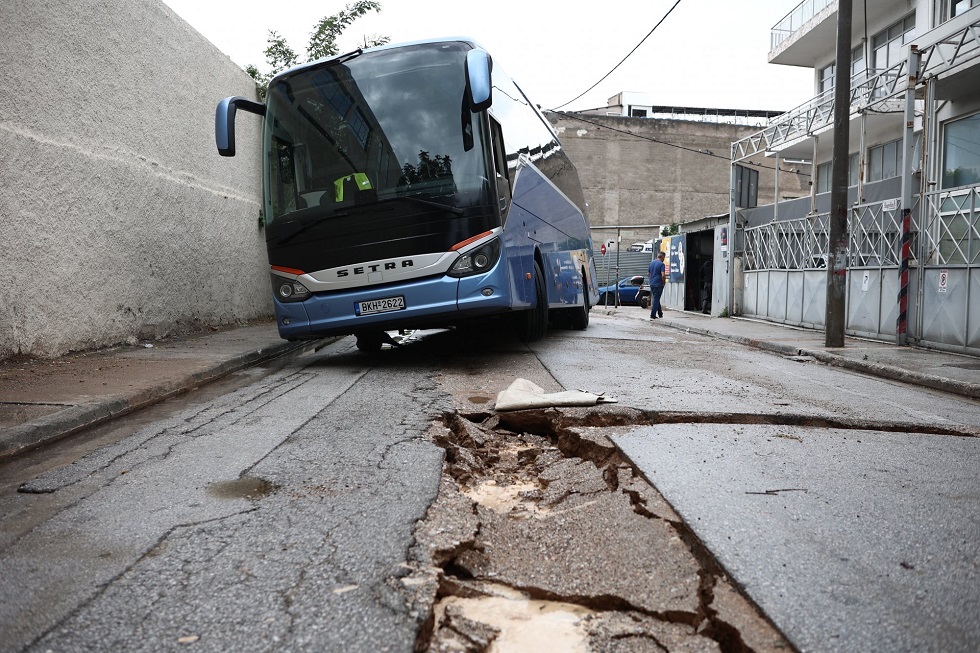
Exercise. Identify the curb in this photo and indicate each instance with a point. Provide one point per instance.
(963, 388)
(23, 437)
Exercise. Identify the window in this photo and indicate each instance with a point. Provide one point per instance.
(884, 160)
(858, 70)
(888, 46)
(961, 6)
(746, 187)
(825, 170)
(638, 113)
(826, 80)
(961, 152)
(953, 8)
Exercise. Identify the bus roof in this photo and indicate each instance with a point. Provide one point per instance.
(388, 46)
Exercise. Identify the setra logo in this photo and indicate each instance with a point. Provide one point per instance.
(375, 267)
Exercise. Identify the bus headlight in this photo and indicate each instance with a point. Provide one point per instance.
(477, 261)
(288, 290)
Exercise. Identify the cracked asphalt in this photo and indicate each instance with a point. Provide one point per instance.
(377, 503)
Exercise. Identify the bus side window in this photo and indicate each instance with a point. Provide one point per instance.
(500, 166)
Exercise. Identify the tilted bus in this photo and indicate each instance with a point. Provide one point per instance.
(415, 186)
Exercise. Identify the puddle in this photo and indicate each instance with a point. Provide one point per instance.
(246, 487)
(504, 498)
(522, 624)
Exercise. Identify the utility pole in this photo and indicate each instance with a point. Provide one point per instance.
(837, 247)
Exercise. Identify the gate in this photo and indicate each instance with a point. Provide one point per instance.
(785, 276)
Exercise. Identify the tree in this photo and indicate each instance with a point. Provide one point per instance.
(669, 230)
(323, 43)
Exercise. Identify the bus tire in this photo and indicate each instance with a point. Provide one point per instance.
(532, 324)
(580, 315)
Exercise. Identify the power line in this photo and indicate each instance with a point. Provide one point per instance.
(621, 62)
(578, 116)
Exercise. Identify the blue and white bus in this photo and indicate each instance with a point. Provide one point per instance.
(415, 186)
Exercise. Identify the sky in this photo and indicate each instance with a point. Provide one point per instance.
(706, 53)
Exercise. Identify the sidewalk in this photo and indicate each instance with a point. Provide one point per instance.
(953, 373)
(42, 400)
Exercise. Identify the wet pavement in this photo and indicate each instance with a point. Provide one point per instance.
(44, 400)
(555, 495)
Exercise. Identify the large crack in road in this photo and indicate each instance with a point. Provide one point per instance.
(543, 537)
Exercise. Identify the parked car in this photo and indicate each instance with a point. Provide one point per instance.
(628, 289)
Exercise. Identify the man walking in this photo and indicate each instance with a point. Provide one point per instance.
(658, 277)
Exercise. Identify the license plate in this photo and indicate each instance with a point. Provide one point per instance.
(379, 305)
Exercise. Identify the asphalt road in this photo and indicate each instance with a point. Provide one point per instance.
(180, 534)
(863, 538)
(281, 514)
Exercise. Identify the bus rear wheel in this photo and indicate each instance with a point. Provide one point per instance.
(580, 316)
(532, 324)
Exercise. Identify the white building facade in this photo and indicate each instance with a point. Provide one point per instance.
(913, 177)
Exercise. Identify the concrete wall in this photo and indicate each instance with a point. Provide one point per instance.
(639, 171)
(119, 219)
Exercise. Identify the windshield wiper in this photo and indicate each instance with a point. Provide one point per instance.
(347, 57)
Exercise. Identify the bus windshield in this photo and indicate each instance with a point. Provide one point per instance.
(389, 128)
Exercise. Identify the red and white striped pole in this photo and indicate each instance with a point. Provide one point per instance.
(903, 291)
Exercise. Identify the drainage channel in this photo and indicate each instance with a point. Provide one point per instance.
(544, 538)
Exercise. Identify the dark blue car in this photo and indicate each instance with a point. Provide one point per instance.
(628, 288)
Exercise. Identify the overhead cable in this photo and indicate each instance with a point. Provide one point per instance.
(621, 62)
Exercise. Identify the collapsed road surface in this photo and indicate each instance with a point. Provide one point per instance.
(368, 503)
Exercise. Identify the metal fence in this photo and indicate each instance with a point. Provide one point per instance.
(784, 265)
(951, 231)
(629, 264)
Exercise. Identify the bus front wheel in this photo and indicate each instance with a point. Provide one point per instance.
(532, 324)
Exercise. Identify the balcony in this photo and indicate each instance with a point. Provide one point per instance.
(808, 33)
(950, 59)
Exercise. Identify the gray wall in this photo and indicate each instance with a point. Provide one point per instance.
(638, 171)
(119, 219)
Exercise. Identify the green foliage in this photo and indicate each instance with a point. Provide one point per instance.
(670, 230)
(323, 43)
(323, 40)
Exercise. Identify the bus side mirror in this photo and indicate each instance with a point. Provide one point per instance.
(478, 80)
(224, 122)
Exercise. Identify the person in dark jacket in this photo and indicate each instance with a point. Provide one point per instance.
(658, 278)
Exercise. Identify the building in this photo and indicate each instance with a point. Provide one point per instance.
(913, 143)
(640, 174)
(645, 166)
(641, 105)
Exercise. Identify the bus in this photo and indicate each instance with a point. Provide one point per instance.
(415, 186)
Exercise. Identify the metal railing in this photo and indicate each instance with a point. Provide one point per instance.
(952, 44)
(795, 19)
(951, 227)
(948, 228)
(874, 240)
(799, 244)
